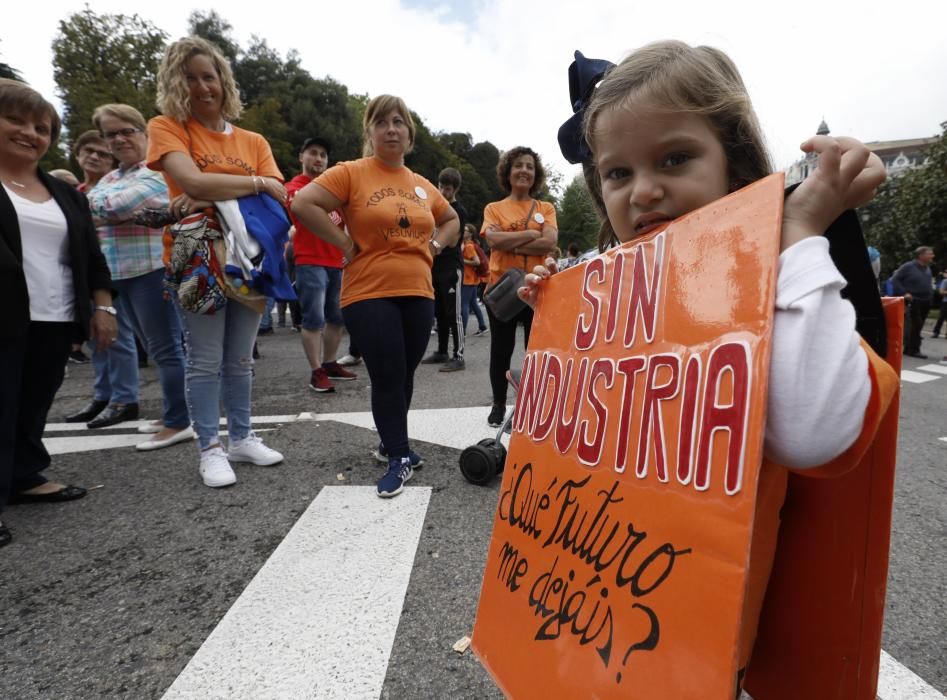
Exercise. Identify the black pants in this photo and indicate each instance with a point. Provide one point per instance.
(31, 371)
(917, 313)
(502, 343)
(446, 280)
(941, 317)
(392, 334)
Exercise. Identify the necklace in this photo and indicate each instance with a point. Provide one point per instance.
(18, 184)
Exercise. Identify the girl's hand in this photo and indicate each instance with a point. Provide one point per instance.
(530, 293)
(847, 176)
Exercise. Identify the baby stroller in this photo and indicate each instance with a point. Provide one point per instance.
(481, 462)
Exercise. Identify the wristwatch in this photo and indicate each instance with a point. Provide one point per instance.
(108, 309)
(437, 246)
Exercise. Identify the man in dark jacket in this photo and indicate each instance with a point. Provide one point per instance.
(913, 281)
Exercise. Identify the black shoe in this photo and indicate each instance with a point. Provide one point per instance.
(265, 331)
(435, 358)
(497, 414)
(112, 414)
(66, 493)
(256, 352)
(919, 355)
(78, 357)
(90, 411)
(454, 365)
(5, 536)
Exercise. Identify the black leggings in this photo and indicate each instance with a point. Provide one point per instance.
(502, 343)
(392, 334)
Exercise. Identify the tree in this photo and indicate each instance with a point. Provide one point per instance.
(578, 222)
(910, 210)
(99, 59)
(216, 30)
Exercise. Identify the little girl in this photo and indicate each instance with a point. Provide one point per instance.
(671, 129)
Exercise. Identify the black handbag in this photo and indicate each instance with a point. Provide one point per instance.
(501, 297)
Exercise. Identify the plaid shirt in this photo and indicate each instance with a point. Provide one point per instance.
(130, 250)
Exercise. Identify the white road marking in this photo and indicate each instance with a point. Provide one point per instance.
(134, 424)
(943, 439)
(908, 375)
(319, 619)
(936, 369)
(897, 682)
(450, 427)
(91, 443)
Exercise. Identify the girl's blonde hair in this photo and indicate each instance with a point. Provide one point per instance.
(174, 98)
(678, 77)
(378, 108)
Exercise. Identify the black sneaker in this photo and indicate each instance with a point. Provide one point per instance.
(482, 331)
(453, 365)
(497, 414)
(78, 357)
(435, 358)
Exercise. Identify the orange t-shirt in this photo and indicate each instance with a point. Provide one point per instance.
(470, 271)
(390, 213)
(771, 494)
(240, 152)
(510, 215)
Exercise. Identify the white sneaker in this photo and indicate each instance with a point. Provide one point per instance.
(251, 449)
(349, 360)
(215, 468)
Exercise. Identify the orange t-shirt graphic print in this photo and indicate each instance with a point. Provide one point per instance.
(390, 213)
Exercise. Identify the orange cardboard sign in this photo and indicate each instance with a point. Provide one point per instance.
(618, 561)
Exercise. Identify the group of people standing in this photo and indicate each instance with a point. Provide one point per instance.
(88, 261)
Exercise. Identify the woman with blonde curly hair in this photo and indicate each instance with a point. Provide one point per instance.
(206, 159)
(521, 231)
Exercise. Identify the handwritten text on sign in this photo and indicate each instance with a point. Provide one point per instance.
(617, 566)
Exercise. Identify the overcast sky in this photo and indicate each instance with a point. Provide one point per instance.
(497, 68)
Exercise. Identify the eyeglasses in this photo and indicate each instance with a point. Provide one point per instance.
(126, 133)
(105, 155)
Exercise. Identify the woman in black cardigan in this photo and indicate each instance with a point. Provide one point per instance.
(51, 270)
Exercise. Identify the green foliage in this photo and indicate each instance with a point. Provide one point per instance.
(8, 71)
(909, 211)
(115, 58)
(99, 59)
(578, 222)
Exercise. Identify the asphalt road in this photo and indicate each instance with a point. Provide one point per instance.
(112, 595)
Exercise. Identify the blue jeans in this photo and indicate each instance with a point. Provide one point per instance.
(220, 355)
(318, 288)
(116, 369)
(267, 320)
(143, 308)
(468, 300)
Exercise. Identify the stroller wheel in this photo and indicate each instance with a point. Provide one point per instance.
(478, 463)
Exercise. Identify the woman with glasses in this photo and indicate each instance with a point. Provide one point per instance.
(134, 255)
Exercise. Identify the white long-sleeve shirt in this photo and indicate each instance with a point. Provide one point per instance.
(819, 384)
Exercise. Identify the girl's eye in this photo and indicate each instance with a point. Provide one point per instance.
(675, 159)
(617, 174)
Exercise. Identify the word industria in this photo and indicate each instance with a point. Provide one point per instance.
(569, 400)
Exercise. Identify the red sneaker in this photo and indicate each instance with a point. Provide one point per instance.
(337, 371)
(320, 381)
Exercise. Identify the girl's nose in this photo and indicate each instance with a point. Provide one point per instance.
(645, 189)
